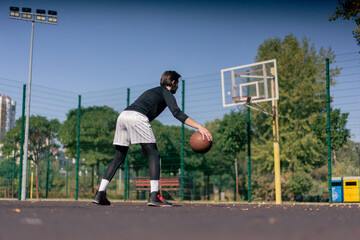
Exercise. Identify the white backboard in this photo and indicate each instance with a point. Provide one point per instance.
(258, 81)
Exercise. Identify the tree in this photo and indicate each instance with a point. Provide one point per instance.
(349, 10)
(168, 140)
(348, 163)
(97, 127)
(41, 132)
(231, 132)
(299, 183)
(302, 96)
(6, 174)
(339, 133)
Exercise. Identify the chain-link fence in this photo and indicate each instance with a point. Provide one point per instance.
(52, 173)
(346, 98)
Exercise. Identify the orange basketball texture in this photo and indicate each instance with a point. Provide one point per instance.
(199, 145)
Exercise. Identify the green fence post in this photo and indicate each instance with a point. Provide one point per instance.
(84, 187)
(328, 128)
(78, 151)
(248, 121)
(182, 145)
(13, 176)
(22, 141)
(126, 158)
(8, 179)
(47, 172)
(67, 181)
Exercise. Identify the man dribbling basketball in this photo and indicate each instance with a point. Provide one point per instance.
(133, 127)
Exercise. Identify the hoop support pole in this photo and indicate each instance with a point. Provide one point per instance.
(278, 199)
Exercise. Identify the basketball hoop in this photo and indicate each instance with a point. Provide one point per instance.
(251, 85)
(257, 80)
(258, 107)
(248, 99)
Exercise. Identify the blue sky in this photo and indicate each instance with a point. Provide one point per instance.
(100, 48)
(107, 44)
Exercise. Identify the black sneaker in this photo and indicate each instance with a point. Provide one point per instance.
(156, 200)
(100, 198)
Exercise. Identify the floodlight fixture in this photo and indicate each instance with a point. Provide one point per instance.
(53, 16)
(40, 15)
(26, 13)
(14, 12)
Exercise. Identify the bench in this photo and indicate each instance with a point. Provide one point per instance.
(166, 183)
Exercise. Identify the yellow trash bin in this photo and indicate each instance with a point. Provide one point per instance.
(351, 189)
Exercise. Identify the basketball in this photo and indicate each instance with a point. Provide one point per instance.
(199, 145)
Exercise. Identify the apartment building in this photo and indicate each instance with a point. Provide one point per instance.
(7, 114)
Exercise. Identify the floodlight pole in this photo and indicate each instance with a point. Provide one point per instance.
(24, 171)
(40, 17)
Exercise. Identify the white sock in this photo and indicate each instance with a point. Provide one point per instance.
(103, 185)
(154, 185)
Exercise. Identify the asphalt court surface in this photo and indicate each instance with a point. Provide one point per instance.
(201, 221)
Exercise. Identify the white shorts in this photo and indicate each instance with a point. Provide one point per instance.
(131, 128)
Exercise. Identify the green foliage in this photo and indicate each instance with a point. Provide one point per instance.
(231, 133)
(11, 141)
(339, 133)
(349, 10)
(301, 74)
(40, 131)
(348, 160)
(56, 181)
(300, 183)
(97, 127)
(6, 171)
(168, 140)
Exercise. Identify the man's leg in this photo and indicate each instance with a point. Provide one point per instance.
(155, 199)
(154, 164)
(120, 154)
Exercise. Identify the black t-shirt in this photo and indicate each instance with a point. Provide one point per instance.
(153, 101)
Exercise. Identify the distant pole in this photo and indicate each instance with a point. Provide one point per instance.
(182, 165)
(328, 128)
(31, 184)
(236, 181)
(22, 141)
(248, 121)
(78, 151)
(13, 176)
(23, 186)
(116, 187)
(67, 179)
(120, 171)
(47, 170)
(126, 158)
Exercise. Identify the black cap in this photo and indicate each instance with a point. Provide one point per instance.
(40, 11)
(50, 12)
(14, 9)
(27, 10)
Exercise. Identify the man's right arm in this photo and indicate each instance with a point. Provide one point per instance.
(204, 132)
